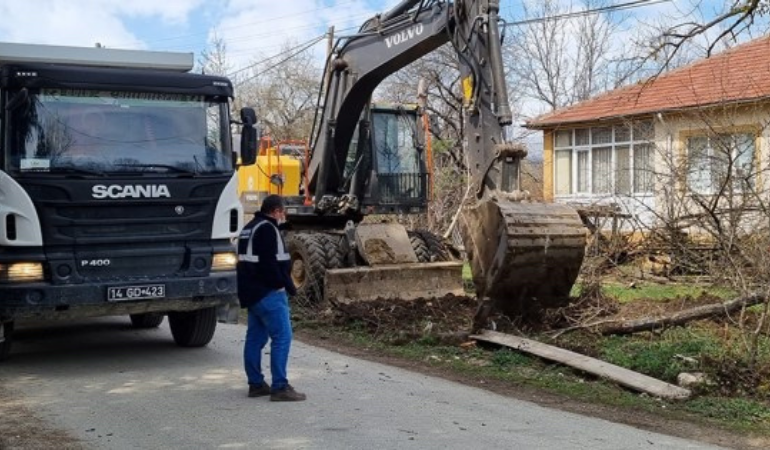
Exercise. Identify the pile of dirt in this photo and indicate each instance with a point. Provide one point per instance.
(454, 314)
(396, 320)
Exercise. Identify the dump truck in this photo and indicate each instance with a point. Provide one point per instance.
(119, 194)
(366, 163)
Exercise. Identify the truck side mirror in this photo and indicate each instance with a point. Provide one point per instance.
(248, 137)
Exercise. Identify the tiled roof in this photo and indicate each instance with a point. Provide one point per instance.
(739, 74)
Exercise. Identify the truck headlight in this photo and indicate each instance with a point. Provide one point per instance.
(224, 261)
(21, 272)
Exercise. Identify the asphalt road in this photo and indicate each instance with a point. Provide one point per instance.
(117, 388)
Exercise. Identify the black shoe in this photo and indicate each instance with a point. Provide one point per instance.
(287, 394)
(259, 390)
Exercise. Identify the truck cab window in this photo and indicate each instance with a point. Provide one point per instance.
(115, 132)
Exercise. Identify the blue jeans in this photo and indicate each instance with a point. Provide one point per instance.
(268, 318)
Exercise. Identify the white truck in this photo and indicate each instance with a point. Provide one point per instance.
(118, 190)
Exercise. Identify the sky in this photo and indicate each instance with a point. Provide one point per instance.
(251, 29)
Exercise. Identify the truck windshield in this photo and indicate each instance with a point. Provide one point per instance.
(61, 130)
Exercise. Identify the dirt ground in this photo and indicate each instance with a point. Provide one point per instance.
(397, 322)
(20, 429)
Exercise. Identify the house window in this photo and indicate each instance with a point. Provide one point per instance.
(563, 165)
(643, 169)
(606, 160)
(623, 170)
(600, 170)
(582, 171)
(720, 161)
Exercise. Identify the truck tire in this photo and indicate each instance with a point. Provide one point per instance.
(193, 328)
(146, 320)
(5, 346)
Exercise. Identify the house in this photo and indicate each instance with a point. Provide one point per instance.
(669, 144)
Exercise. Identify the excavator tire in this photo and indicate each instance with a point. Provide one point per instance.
(335, 251)
(419, 246)
(437, 248)
(308, 265)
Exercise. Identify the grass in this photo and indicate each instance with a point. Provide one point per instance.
(662, 358)
(657, 291)
(654, 358)
(661, 355)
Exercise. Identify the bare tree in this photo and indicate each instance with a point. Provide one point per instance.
(213, 61)
(735, 18)
(560, 61)
(712, 213)
(284, 93)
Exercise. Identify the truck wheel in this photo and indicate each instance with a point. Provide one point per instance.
(193, 328)
(146, 320)
(5, 346)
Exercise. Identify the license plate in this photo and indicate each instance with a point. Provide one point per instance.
(123, 293)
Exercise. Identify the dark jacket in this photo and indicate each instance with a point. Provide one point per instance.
(267, 267)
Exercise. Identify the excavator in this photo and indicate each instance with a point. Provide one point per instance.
(367, 163)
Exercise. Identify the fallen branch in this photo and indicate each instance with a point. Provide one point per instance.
(606, 327)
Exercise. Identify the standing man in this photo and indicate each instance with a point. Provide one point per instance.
(264, 280)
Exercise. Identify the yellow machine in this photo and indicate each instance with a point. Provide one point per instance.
(278, 170)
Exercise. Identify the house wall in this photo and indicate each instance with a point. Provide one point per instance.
(670, 197)
(672, 132)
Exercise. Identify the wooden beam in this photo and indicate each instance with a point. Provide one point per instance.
(620, 375)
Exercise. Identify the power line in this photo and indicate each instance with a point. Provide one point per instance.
(240, 39)
(587, 12)
(273, 66)
(250, 24)
(306, 45)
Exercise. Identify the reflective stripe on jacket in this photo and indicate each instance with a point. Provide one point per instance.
(264, 265)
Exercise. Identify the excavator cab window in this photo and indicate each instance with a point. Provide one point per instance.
(399, 160)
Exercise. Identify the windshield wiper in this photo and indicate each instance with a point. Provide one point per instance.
(75, 171)
(168, 167)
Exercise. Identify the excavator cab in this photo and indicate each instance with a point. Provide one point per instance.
(392, 161)
(340, 257)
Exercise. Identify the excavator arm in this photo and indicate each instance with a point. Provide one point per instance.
(389, 42)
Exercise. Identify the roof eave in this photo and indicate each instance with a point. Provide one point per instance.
(553, 124)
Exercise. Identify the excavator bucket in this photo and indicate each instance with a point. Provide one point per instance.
(524, 256)
(393, 270)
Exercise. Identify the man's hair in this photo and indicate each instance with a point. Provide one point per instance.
(271, 203)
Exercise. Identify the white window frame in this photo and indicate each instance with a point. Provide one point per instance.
(711, 189)
(631, 143)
